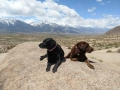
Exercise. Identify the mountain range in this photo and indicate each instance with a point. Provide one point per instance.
(14, 26)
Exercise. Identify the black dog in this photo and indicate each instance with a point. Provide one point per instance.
(55, 54)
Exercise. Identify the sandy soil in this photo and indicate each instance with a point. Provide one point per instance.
(111, 58)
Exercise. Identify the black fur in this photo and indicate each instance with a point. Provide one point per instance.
(56, 56)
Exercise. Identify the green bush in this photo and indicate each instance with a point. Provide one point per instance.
(116, 46)
(109, 51)
(99, 48)
(69, 47)
(118, 50)
(100, 60)
(106, 47)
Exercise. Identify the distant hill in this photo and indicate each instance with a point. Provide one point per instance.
(115, 30)
(15, 26)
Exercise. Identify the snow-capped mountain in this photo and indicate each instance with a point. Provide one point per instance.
(43, 23)
(7, 21)
(93, 30)
(12, 25)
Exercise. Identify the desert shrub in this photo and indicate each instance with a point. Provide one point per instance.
(118, 50)
(116, 46)
(10, 47)
(100, 60)
(93, 57)
(100, 44)
(106, 47)
(93, 45)
(97, 59)
(99, 48)
(1, 51)
(109, 51)
(69, 47)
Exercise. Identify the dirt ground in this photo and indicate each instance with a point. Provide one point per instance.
(110, 58)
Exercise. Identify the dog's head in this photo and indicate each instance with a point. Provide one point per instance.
(47, 43)
(84, 47)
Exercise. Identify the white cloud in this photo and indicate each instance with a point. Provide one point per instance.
(48, 10)
(56, 0)
(93, 14)
(99, 0)
(102, 3)
(91, 10)
(109, 2)
(108, 21)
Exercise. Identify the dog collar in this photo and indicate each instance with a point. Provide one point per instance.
(77, 49)
(53, 48)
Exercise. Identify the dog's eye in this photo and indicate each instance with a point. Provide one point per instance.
(46, 40)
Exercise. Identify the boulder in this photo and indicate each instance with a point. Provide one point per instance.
(22, 70)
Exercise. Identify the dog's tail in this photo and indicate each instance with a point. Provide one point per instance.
(68, 56)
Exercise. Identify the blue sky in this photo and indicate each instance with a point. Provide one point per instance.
(86, 13)
(108, 7)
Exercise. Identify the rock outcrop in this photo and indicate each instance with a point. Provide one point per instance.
(114, 31)
(22, 70)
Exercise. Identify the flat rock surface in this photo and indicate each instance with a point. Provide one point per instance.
(21, 69)
(2, 56)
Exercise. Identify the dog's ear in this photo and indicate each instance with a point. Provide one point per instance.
(52, 42)
(82, 45)
(48, 39)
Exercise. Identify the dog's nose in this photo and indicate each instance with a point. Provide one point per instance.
(39, 45)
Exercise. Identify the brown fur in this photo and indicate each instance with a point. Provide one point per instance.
(78, 52)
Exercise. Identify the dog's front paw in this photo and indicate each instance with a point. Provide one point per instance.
(91, 66)
(54, 70)
(64, 60)
(41, 58)
(47, 69)
(74, 59)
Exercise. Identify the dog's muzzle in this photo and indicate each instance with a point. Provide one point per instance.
(42, 45)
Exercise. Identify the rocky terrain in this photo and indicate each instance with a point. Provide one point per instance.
(21, 69)
(115, 30)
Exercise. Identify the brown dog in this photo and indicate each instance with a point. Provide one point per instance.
(78, 52)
